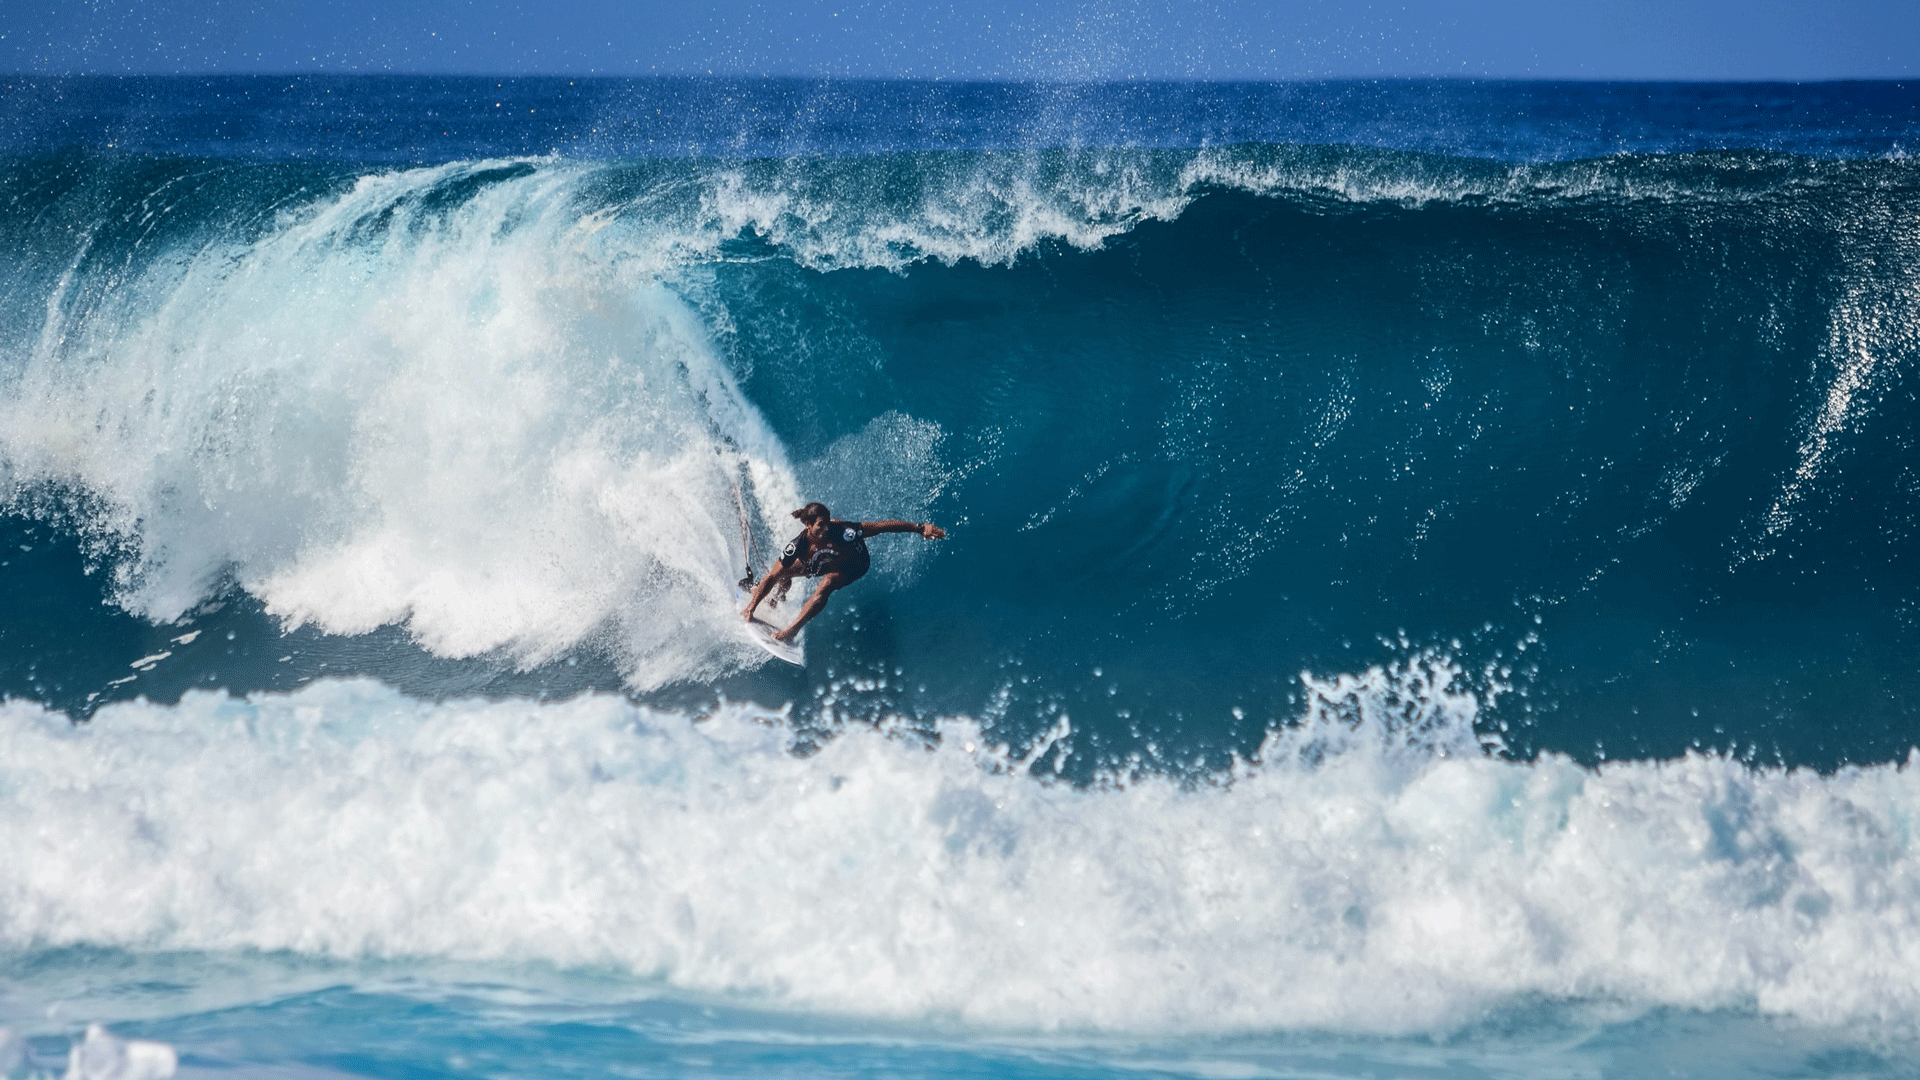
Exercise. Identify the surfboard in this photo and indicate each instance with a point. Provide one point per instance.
(761, 631)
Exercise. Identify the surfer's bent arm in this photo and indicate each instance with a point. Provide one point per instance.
(776, 573)
(925, 528)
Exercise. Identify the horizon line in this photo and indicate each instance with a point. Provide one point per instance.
(986, 80)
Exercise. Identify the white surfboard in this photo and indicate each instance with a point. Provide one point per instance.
(761, 631)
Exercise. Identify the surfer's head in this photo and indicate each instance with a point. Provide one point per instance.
(815, 517)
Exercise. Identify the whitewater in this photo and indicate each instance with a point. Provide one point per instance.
(1431, 587)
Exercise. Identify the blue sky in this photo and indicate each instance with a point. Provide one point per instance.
(1021, 39)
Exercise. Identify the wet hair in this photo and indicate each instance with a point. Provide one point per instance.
(813, 512)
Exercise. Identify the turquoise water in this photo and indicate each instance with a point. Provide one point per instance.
(1431, 587)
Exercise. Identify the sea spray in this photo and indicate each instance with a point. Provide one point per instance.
(458, 347)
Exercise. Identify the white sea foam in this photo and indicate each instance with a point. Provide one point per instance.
(13, 1051)
(101, 1056)
(470, 420)
(1376, 872)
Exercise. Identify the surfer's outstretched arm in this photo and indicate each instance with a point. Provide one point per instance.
(925, 528)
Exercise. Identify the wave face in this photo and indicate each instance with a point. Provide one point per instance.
(1627, 438)
(1408, 578)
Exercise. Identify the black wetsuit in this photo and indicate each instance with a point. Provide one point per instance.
(843, 552)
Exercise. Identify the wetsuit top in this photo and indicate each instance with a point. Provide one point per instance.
(844, 549)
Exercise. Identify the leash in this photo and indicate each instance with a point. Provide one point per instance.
(746, 537)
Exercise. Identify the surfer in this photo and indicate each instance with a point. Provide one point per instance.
(833, 551)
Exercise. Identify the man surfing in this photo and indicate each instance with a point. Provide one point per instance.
(833, 551)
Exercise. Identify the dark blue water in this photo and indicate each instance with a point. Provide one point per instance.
(1462, 534)
(429, 120)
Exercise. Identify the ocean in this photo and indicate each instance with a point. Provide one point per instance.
(1432, 586)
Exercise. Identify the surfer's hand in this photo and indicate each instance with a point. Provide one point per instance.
(932, 531)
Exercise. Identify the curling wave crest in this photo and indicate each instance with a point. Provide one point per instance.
(430, 400)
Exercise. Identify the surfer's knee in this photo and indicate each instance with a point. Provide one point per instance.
(834, 582)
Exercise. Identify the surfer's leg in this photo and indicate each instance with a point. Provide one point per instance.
(818, 600)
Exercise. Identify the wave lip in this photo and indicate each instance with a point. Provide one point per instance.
(1362, 877)
(890, 211)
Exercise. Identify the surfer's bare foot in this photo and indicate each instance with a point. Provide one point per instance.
(783, 635)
